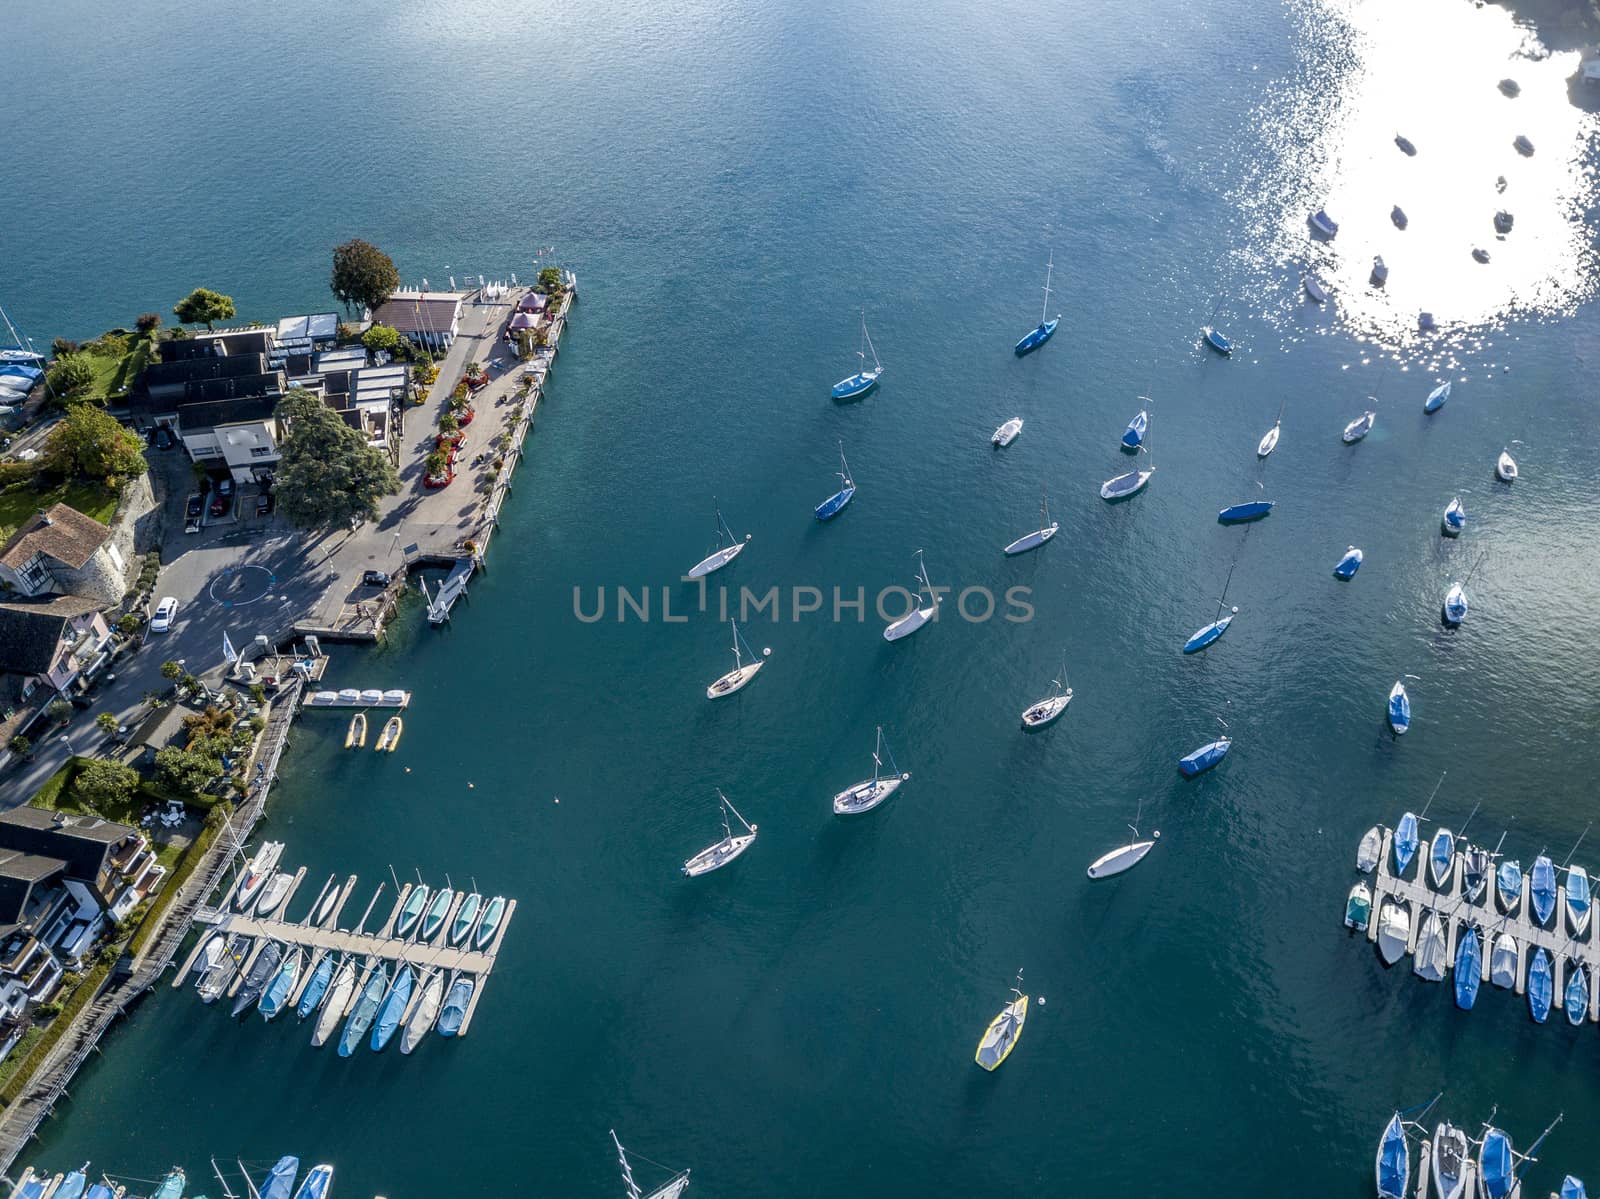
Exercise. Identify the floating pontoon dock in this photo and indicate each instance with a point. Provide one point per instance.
(352, 697)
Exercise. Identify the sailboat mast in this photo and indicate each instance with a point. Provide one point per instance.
(1044, 312)
(627, 1170)
(1436, 787)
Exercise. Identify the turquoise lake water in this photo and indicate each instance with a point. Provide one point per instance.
(732, 184)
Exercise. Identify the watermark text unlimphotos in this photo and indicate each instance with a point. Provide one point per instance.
(671, 605)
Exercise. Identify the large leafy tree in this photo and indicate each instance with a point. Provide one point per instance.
(363, 275)
(329, 475)
(202, 306)
(185, 772)
(104, 785)
(89, 442)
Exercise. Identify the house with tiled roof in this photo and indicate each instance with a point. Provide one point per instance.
(60, 551)
(47, 647)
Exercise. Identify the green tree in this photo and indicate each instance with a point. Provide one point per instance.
(59, 710)
(172, 670)
(380, 338)
(70, 375)
(104, 785)
(128, 624)
(185, 772)
(436, 464)
(202, 306)
(329, 475)
(550, 280)
(107, 722)
(89, 441)
(20, 746)
(148, 322)
(363, 275)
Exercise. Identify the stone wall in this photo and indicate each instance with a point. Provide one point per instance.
(131, 533)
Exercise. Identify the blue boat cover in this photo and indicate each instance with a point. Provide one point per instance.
(1578, 890)
(1349, 564)
(1136, 430)
(1436, 398)
(316, 1182)
(1204, 758)
(1405, 842)
(1542, 887)
(1204, 637)
(313, 993)
(1400, 711)
(1498, 1165)
(1576, 1000)
(1442, 851)
(36, 1187)
(1508, 879)
(1455, 515)
(1218, 341)
(1250, 511)
(455, 1007)
(99, 1191)
(17, 370)
(830, 507)
(1324, 223)
(1037, 337)
(280, 1183)
(855, 385)
(1394, 1160)
(1540, 986)
(72, 1185)
(1469, 969)
(1572, 1188)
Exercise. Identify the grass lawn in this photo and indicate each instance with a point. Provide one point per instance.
(21, 501)
(115, 371)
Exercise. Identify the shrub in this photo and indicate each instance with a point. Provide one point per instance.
(48, 1011)
(148, 322)
(20, 746)
(436, 464)
(380, 338)
(59, 710)
(128, 625)
(107, 722)
(171, 670)
(71, 375)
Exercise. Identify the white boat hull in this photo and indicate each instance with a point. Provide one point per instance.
(1116, 489)
(1118, 860)
(1370, 850)
(1007, 433)
(716, 856)
(1394, 930)
(1046, 711)
(1506, 469)
(1268, 442)
(718, 560)
(909, 623)
(427, 1012)
(1032, 541)
(864, 796)
(1503, 961)
(333, 1007)
(734, 680)
(1428, 963)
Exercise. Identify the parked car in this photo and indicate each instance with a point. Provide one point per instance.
(225, 487)
(161, 437)
(375, 578)
(263, 504)
(192, 511)
(166, 612)
(219, 505)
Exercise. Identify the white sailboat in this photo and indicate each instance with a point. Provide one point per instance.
(725, 552)
(1429, 961)
(670, 1190)
(1046, 530)
(1269, 440)
(426, 1012)
(918, 616)
(333, 1008)
(716, 856)
(743, 671)
(865, 796)
(1049, 709)
(1124, 857)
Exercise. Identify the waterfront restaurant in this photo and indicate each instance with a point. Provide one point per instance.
(427, 318)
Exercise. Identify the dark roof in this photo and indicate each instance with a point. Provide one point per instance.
(225, 412)
(189, 370)
(410, 314)
(61, 532)
(221, 345)
(30, 633)
(85, 828)
(17, 711)
(204, 391)
(28, 867)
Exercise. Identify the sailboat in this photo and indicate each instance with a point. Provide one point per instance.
(1394, 931)
(275, 997)
(1217, 340)
(1393, 1166)
(1474, 872)
(1505, 467)
(1576, 1000)
(918, 616)
(1429, 960)
(1349, 564)
(1235, 514)
(1541, 986)
(365, 1009)
(1047, 711)
(316, 986)
(1578, 902)
(456, 1001)
(1508, 886)
(1450, 1162)
(356, 736)
(669, 1190)
(1269, 439)
(864, 380)
(493, 912)
(1358, 907)
(1442, 857)
(427, 1011)
(1124, 857)
(1133, 436)
(1455, 518)
(718, 855)
(1203, 637)
(466, 915)
(1001, 1037)
(338, 1002)
(259, 974)
(743, 671)
(1542, 888)
(215, 980)
(1436, 398)
(256, 875)
(1405, 842)
(1469, 968)
(1503, 961)
(1037, 337)
(726, 551)
(1046, 530)
(1131, 483)
(834, 504)
(1370, 850)
(1360, 427)
(393, 1008)
(865, 796)
(1204, 758)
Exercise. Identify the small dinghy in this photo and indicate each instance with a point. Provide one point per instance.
(1394, 930)
(1429, 960)
(1007, 433)
(1436, 398)
(1315, 290)
(718, 855)
(1455, 518)
(1349, 564)
(1323, 224)
(1406, 842)
(834, 504)
(1406, 148)
(1578, 902)
(1036, 337)
(1480, 255)
(1503, 961)
(1576, 998)
(1511, 88)
(1121, 487)
(493, 912)
(918, 616)
(1508, 886)
(1360, 427)
(1541, 986)
(466, 916)
(1455, 605)
(1204, 758)
(1505, 467)
(864, 380)
(1217, 340)
(1442, 858)
(1239, 513)
(1370, 850)
(1542, 889)
(1000, 1038)
(1399, 708)
(745, 666)
(1474, 872)
(1523, 145)
(725, 552)
(1451, 1164)
(456, 1001)
(389, 739)
(1124, 857)
(1032, 541)
(1398, 216)
(1469, 969)
(865, 796)
(1133, 437)
(1358, 908)
(1380, 271)
(356, 736)
(1393, 1166)
(1047, 711)
(1503, 221)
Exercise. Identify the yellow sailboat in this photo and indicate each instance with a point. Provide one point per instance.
(1001, 1037)
(356, 738)
(390, 737)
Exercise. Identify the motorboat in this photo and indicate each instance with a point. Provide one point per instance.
(1442, 858)
(1429, 960)
(1217, 340)
(728, 547)
(1036, 337)
(1324, 224)
(272, 894)
(426, 1012)
(1001, 1037)
(1133, 436)
(1358, 907)
(493, 912)
(1360, 427)
(1474, 872)
(411, 911)
(864, 796)
(1541, 986)
(355, 736)
(316, 986)
(834, 504)
(1124, 857)
(1398, 216)
(1455, 518)
(389, 739)
(1047, 711)
(316, 1183)
(1510, 87)
(1455, 605)
(720, 853)
(365, 1009)
(1576, 999)
(745, 667)
(1204, 758)
(1406, 147)
(919, 615)
(864, 380)
(1503, 221)
(1437, 397)
(337, 1003)
(466, 915)
(1347, 566)
(1399, 708)
(258, 974)
(1121, 487)
(1394, 930)
(1523, 146)
(1406, 842)
(393, 1008)
(1315, 289)
(438, 910)
(1469, 968)
(1393, 1165)
(1007, 433)
(1370, 850)
(1030, 541)
(1203, 637)
(215, 980)
(1480, 255)
(1503, 961)
(1451, 1164)
(1508, 886)
(275, 996)
(1578, 901)
(1239, 513)
(456, 1002)
(280, 1179)
(1505, 467)
(1542, 888)
(1380, 271)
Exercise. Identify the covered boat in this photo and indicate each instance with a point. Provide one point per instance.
(1450, 1162)
(1239, 513)
(258, 976)
(1474, 872)
(1394, 931)
(1217, 340)
(1437, 397)
(1454, 610)
(393, 1008)
(316, 1183)
(426, 1012)
(1442, 858)
(1503, 961)
(1120, 487)
(1399, 708)
(276, 995)
(1497, 1165)
(1542, 888)
(1398, 216)
(1469, 968)
(1429, 960)
(1358, 907)
(1203, 637)
(1576, 999)
(1393, 1165)
(1455, 518)
(456, 1002)
(1406, 841)
(316, 986)
(1406, 147)
(1523, 146)
(1370, 849)
(1001, 1037)
(365, 1009)
(333, 1010)
(1508, 886)
(280, 1180)
(1360, 427)
(1541, 986)
(1205, 757)
(412, 910)
(1578, 900)
(1349, 564)
(1133, 436)
(1324, 224)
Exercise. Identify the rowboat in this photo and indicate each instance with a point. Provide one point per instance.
(1204, 758)
(1505, 467)
(1428, 962)
(316, 987)
(1394, 930)
(412, 911)
(743, 671)
(356, 736)
(728, 548)
(1455, 518)
(1349, 564)
(865, 796)
(493, 912)
(1046, 530)
(1217, 340)
(1451, 1165)
(1360, 427)
(437, 911)
(1541, 986)
(1120, 487)
(1469, 969)
(1133, 437)
(1370, 849)
(834, 504)
(1007, 433)
(466, 916)
(392, 1009)
(1239, 513)
(365, 1009)
(1324, 224)
(918, 616)
(1393, 1165)
(456, 1001)
(1001, 1037)
(864, 380)
(1035, 338)
(1437, 397)
(1399, 708)
(1358, 907)
(1503, 961)
(389, 739)
(338, 1001)
(272, 894)
(720, 853)
(427, 1011)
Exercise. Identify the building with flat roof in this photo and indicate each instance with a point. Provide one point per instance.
(428, 318)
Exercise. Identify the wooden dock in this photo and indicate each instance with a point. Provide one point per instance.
(1567, 951)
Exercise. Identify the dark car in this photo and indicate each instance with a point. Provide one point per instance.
(196, 503)
(375, 578)
(263, 504)
(219, 505)
(161, 437)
